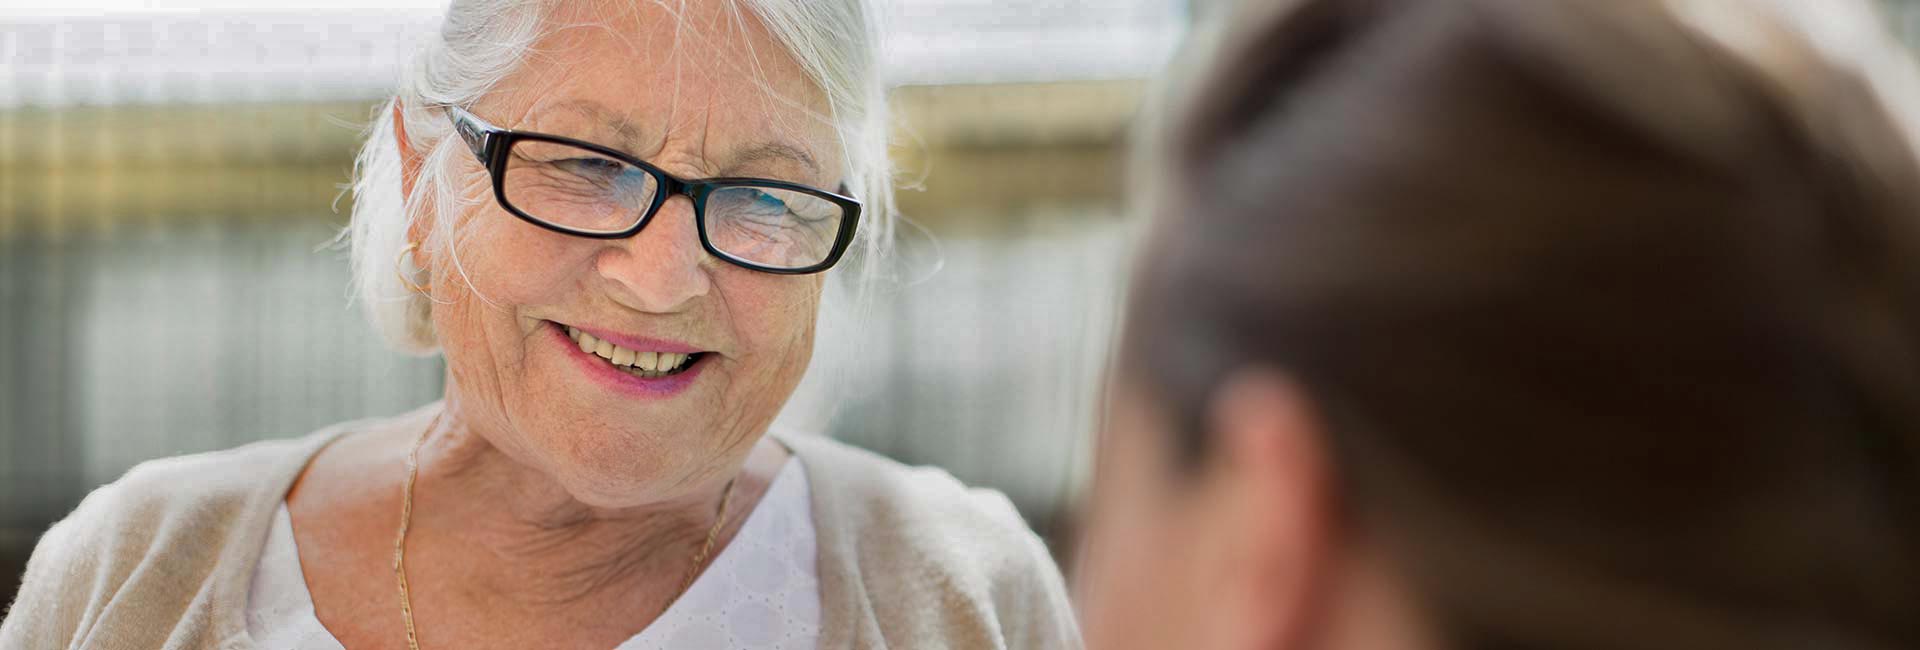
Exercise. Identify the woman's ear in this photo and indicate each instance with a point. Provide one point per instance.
(409, 160)
(409, 174)
(1270, 484)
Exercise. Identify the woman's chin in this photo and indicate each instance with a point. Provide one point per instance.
(624, 468)
(610, 486)
(602, 496)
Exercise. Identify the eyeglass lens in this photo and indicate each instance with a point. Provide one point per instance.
(587, 191)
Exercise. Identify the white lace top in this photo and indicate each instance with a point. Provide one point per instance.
(761, 592)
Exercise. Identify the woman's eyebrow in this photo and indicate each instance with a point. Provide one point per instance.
(764, 151)
(630, 136)
(595, 111)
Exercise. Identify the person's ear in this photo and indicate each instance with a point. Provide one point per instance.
(1270, 477)
(409, 159)
(409, 175)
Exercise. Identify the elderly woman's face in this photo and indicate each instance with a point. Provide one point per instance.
(707, 93)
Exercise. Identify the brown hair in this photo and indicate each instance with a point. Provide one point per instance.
(1612, 310)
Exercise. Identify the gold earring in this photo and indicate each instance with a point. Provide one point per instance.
(404, 280)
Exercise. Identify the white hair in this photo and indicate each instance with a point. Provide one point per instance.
(481, 42)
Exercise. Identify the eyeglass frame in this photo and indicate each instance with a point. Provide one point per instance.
(492, 144)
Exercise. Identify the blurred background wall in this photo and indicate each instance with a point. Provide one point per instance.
(170, 181)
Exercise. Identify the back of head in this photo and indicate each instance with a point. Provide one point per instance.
(1612, 308)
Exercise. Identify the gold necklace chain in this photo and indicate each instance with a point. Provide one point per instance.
(406, 518)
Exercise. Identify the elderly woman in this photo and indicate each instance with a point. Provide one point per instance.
(1524, 324)
(613, 219)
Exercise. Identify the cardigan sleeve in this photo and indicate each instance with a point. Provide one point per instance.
(912, 558)
(158, 558)
(63, 583)
(1031, 600)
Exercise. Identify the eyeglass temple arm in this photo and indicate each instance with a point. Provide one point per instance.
(472, 129)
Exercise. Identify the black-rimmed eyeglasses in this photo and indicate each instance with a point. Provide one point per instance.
(585, 189)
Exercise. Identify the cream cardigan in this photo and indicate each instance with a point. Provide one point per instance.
(909, 558)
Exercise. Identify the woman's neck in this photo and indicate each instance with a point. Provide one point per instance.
(520, 528)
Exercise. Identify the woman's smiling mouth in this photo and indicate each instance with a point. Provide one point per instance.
(648, 368)
(647, 364)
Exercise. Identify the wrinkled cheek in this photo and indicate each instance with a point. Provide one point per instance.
(483, 341)
(478, 313)
(788, 334)
(464, 344)
(800, 344)
(772, 326)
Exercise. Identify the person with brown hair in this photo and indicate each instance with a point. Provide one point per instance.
(1522, 324)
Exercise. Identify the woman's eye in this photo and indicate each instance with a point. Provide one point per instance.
(765, 202)
(751, 202)
(591, 166)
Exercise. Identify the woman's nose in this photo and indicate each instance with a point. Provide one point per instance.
(662, 268)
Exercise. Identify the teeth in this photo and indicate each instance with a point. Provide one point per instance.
(645, 364)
